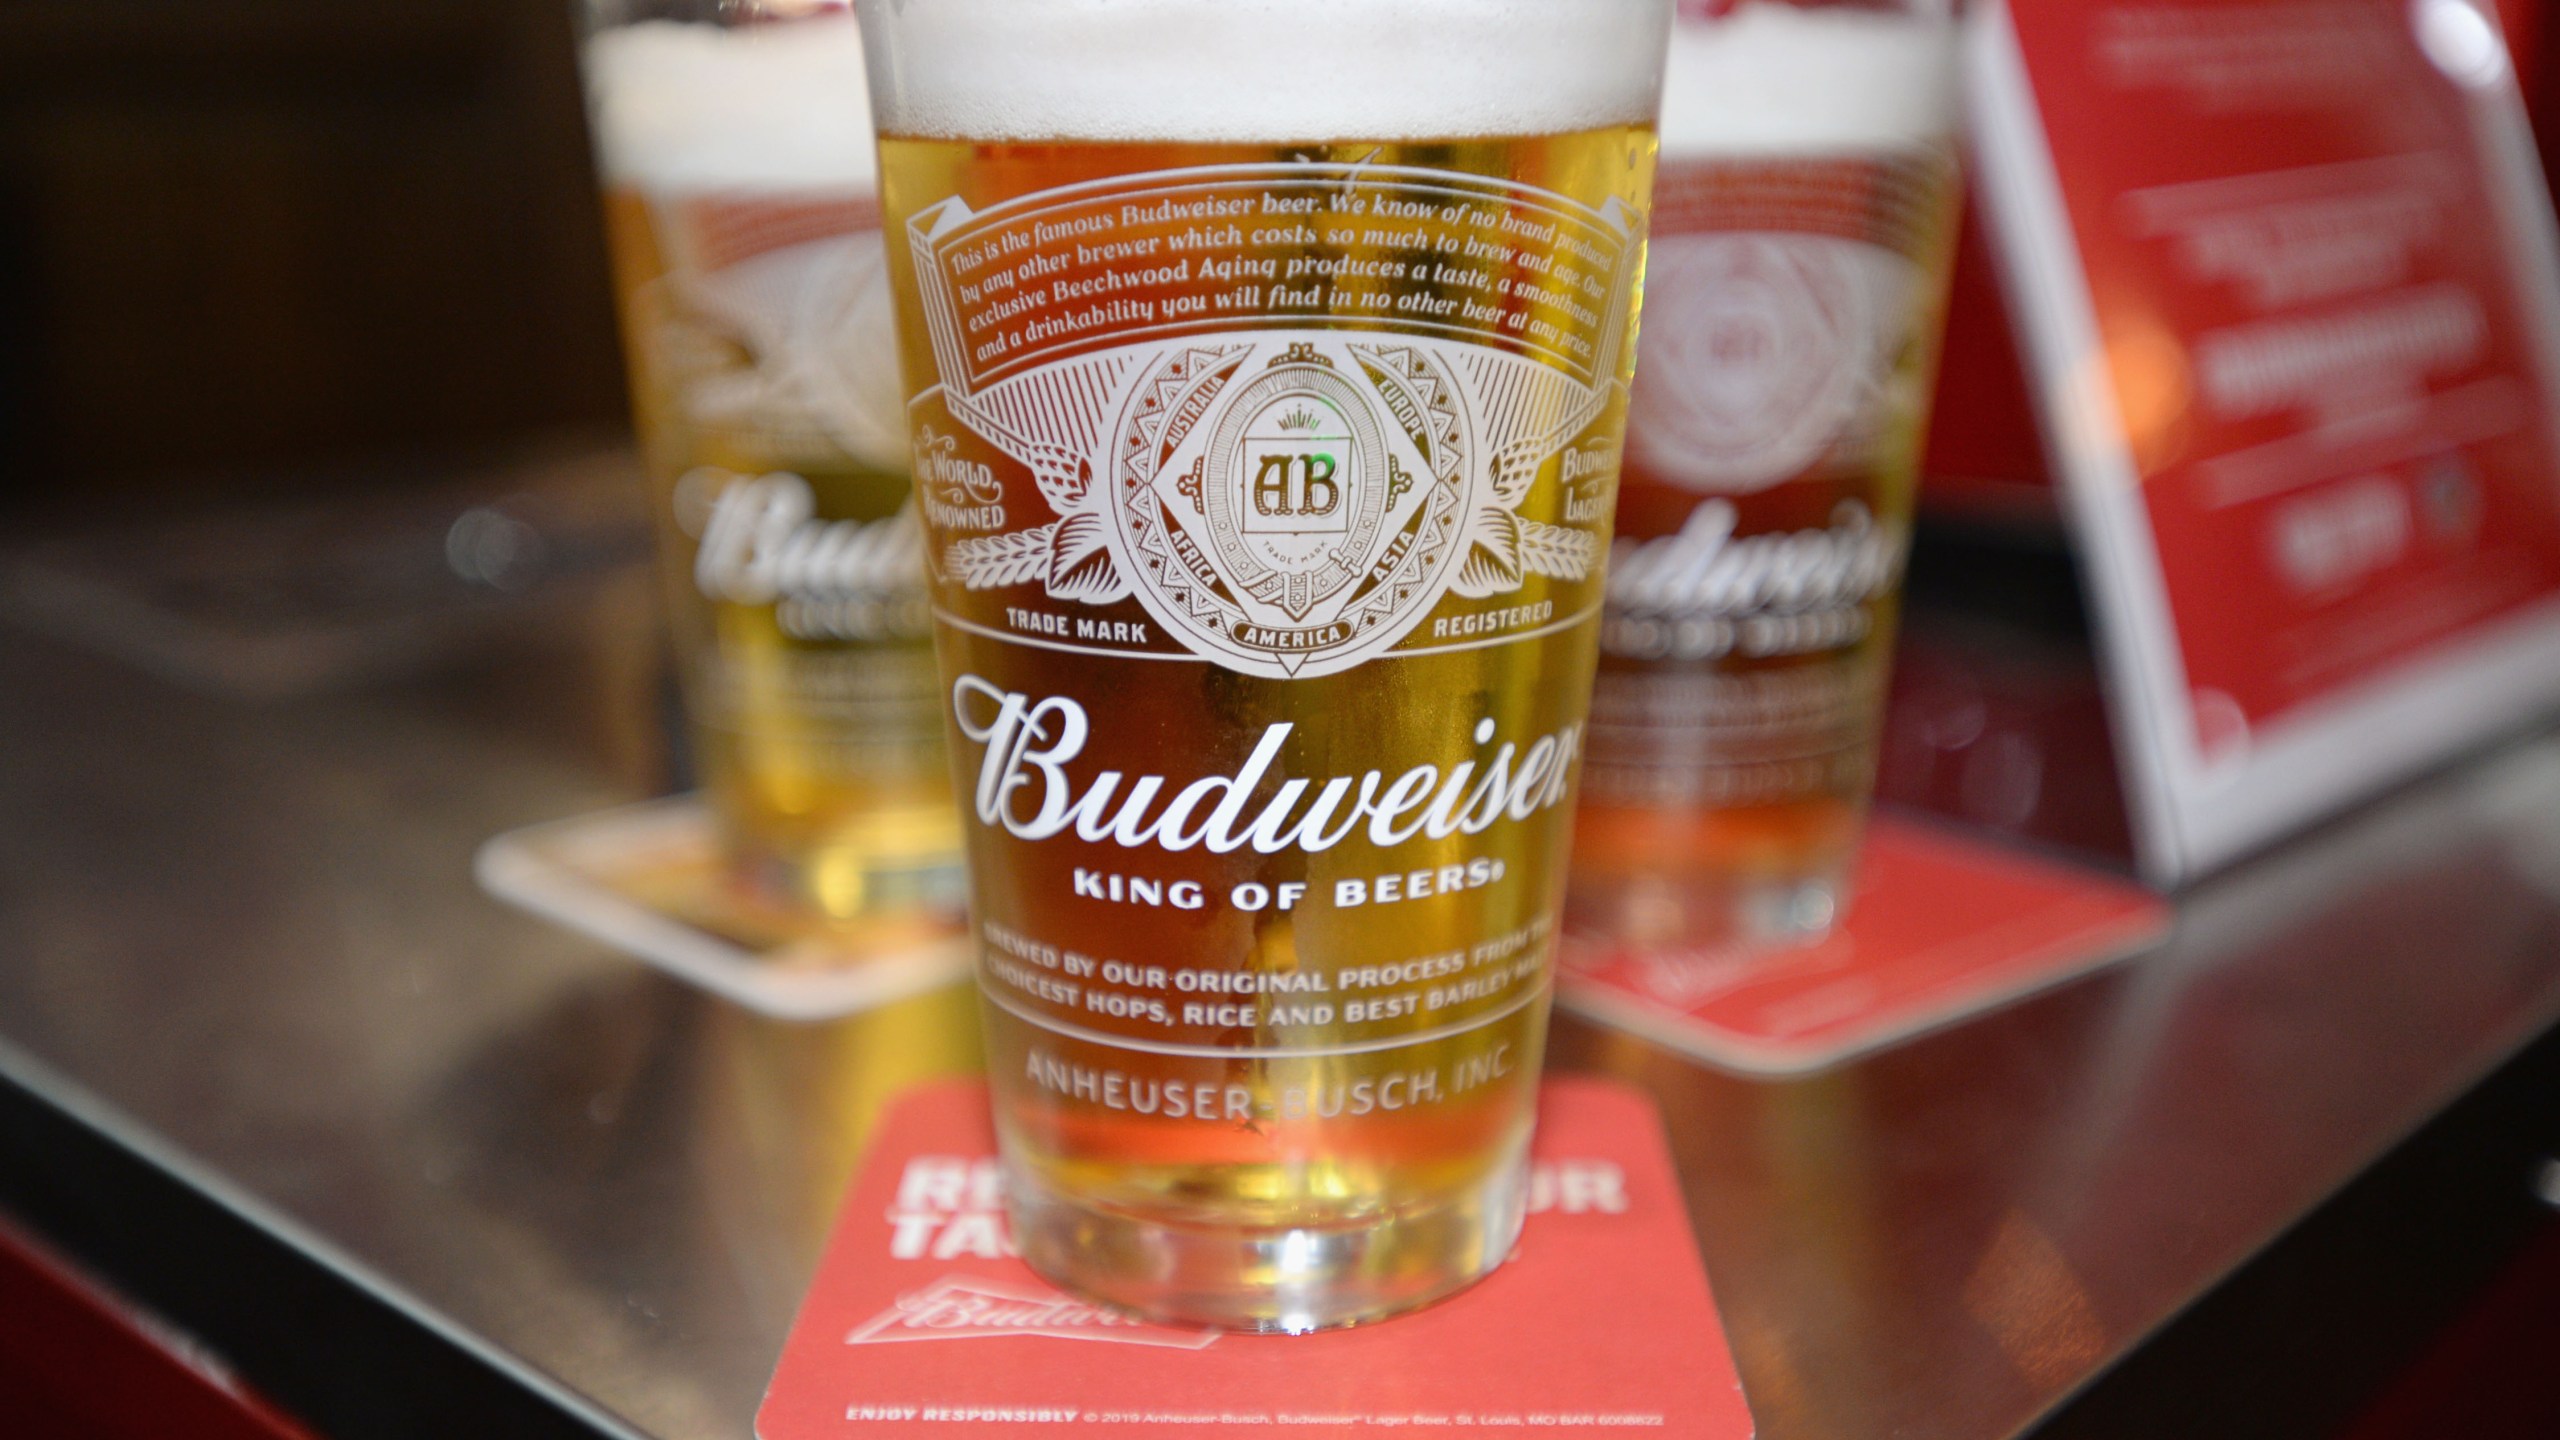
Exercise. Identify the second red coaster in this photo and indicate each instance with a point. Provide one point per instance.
(1937, 927)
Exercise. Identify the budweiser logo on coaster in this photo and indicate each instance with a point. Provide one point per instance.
(957, 1307)
(920, 1321)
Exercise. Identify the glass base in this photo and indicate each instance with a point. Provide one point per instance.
(1290, 1280)
(886, 859)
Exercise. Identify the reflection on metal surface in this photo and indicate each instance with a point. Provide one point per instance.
(254, 931)
(2159, 1121)
(2024, 1293)
(804, 1100)
(404, 566)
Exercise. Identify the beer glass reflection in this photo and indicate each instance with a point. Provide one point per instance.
(1268, 381)
(736, 151)
(1802, 235)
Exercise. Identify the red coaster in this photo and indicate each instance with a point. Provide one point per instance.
(1937, 927)
(920, 1323)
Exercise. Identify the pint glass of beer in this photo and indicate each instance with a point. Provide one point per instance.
(736, 152)
(1267, 374)
(1802, 236)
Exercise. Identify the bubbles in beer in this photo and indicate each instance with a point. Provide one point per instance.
(1308, 71)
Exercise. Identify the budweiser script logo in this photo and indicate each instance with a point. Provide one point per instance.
(762, 544)
(1024, 787)
(958, 1307)
(1706, 570)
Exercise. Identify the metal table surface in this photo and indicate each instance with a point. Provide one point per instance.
(243, 939)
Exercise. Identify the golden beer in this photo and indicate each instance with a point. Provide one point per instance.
(1267, 458)
(1802, 232)
(748, 264)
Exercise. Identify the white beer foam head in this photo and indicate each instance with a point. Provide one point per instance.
(698, 107)
(1774, 79)
(1264, 70)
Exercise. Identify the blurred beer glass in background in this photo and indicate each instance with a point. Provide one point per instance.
(1269, 365)
(1803, 228)
(734, 141)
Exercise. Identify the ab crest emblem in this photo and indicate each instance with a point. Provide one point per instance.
(1294, 504)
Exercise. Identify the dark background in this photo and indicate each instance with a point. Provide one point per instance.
(240, 238)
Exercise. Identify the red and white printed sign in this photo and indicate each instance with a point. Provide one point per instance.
(2287, 273)
(920, 1322)
(1936, 927)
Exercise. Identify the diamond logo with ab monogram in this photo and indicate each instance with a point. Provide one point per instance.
(1298, 503)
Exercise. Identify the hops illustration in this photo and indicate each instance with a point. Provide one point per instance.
(1070, 556)
(1507, 550)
